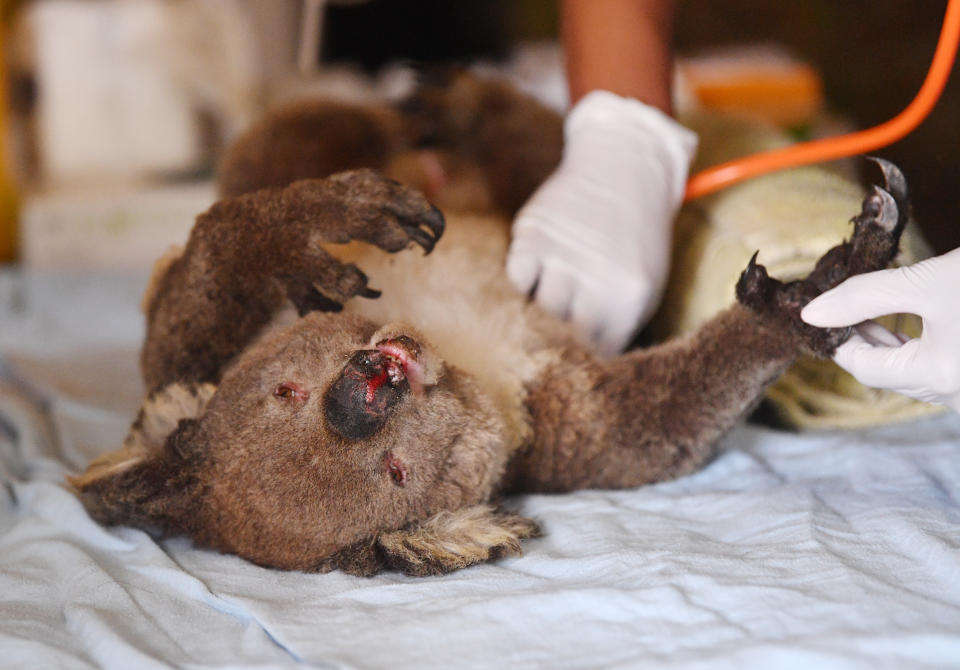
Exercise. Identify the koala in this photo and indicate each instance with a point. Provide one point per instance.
(321, 396)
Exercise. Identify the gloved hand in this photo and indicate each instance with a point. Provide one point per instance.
(595, 238)
(927, 367)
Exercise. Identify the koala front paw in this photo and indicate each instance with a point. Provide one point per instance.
(874, 243)
(357, 205)
(279, 234)
(372, 208)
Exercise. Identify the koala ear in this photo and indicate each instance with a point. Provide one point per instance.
(449, 541)
(153, 489)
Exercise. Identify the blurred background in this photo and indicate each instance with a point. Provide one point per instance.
(113, 112)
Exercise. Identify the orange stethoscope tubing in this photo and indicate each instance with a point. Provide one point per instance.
(805, 153)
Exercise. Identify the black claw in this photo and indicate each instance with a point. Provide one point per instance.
(753, 282)
(894, 181)
(889, 215)
(896, 185)
(308, 300)
(370, 293)
(423, 238)
(435, 222)
(879, 209)
(754, 268)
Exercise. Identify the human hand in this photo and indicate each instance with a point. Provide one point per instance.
(594, 240)
(927, 367)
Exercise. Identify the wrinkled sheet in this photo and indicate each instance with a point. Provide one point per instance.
(818, 549)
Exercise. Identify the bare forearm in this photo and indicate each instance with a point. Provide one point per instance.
(622, 46)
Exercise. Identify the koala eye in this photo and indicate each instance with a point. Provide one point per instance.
(395, 468)
(291, 391)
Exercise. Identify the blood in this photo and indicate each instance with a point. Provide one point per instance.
(396, 469)
(374, 383)
(404, 352)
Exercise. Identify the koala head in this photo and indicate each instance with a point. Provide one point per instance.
(329, 444)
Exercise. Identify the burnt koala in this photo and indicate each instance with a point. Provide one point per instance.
(300, 419)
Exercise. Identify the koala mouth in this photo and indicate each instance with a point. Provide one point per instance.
(371, 385)
(403, 353)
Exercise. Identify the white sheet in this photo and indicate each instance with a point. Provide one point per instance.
(789, 550)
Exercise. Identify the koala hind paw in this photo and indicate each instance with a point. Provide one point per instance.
(874, 243)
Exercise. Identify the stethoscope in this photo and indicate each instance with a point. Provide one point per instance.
(863, 141)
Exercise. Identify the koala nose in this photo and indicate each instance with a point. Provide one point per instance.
(361, 399)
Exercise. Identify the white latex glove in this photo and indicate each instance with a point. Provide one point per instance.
(595, 238)
(927, 367)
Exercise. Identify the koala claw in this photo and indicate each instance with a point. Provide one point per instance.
(435, 221)
(755, 284)
(425, 238)
(383, 212)
(327, 290)
(893, 180)
(422, 229)
(878, 226)
(880, 209)
(307, 299)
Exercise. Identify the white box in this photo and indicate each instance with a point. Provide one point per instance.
(109, 101)
(121, 228)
